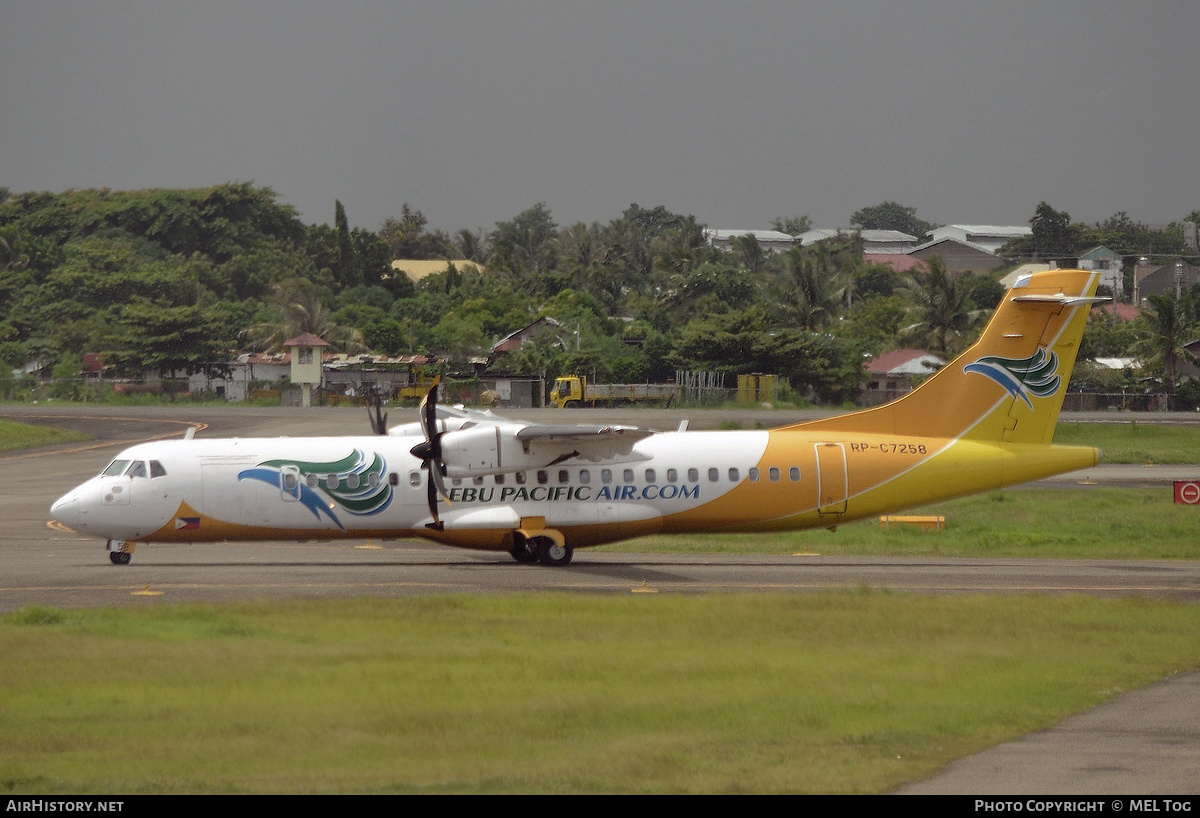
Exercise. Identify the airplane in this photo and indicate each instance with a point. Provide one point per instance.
(472, 479)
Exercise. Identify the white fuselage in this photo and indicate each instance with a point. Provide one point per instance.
(298, 488)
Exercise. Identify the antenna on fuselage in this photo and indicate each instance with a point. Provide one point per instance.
(190, 433)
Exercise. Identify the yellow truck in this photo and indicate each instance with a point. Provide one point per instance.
(574, 391)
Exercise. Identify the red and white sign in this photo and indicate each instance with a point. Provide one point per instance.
(1187, 492)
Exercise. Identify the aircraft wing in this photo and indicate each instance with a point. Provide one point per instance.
(594, 443)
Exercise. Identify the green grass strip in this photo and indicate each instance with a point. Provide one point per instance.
(26, 436)
(1134, 442)
(809, 693)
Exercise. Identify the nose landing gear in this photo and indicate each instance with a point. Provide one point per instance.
(120, 552)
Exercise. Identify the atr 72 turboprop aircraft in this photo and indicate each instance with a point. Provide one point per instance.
(475, 480)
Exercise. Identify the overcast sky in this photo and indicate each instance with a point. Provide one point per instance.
(737, 113)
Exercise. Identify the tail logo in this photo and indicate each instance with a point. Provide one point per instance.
(1036, 375)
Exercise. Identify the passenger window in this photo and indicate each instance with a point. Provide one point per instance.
(521, 478)
(734, 476)
(606, 476)
(414, 479)
(311, 480)
(714, 475)
(499, 478)
(672, 476)
(542, 477)
(628, 475)
(693, 475)
(585, 476)
(774, 474)
(156, 469)
(651, 475)
(794, 474)
(753, 474)
(563, 476)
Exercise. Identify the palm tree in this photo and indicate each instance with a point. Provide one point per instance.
(945, 313)
(302, 311)
(1163, 346)
(816, 292)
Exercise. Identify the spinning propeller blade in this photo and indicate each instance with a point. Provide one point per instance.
(430, 452)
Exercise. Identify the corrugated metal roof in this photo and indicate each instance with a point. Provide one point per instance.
(870, 236)
(905, 362)
(990, 229)
(759, 235)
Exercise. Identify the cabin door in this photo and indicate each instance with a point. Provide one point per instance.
(833, 487)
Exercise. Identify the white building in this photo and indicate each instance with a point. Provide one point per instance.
(874, 241)
(772, 241)
(987, 237)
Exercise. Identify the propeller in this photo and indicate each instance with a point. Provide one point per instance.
(430, 452)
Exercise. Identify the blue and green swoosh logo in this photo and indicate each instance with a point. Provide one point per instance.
(355, 484)
(1036, 375)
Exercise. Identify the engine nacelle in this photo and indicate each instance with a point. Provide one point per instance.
(485, 450)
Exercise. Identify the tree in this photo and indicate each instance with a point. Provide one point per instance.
(792, 225)
(1163, 347)
(301, 311)
(167, 340)
(1052, 233)
(814, 294)
(13, 257)
(946, 315)
(473, 245)
(345, 266)
(892, 216)
(407, 237)
(527, 244)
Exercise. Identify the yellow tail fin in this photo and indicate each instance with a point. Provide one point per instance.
(1008, 386)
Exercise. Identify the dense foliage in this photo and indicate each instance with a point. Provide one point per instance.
(180, 280)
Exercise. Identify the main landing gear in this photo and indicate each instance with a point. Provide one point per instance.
(541, 548)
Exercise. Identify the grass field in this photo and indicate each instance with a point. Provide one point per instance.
(840, 692)
(1134, 442)
(25, 435)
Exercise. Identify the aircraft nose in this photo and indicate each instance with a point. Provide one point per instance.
(66, 510)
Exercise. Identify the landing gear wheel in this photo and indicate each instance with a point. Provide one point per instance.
(120, 557)
(524, 551)
(551, 553)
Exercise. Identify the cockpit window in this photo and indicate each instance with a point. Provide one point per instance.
(114, 468)
(156, 469)
(138, 469)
